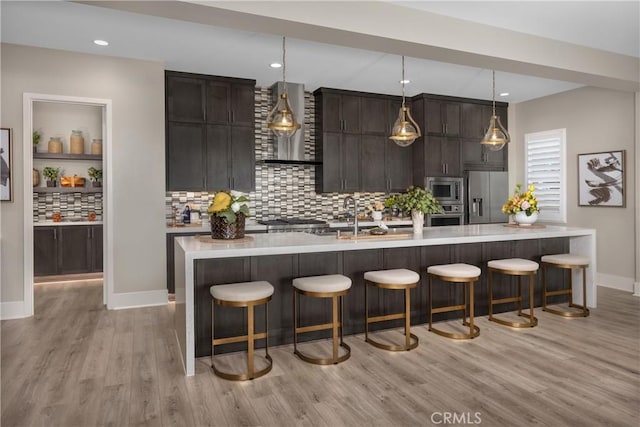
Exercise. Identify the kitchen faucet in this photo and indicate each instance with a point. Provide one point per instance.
(355, 212)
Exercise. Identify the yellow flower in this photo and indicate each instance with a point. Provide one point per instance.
(221, 202)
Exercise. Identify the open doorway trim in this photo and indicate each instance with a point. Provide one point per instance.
(107, 192)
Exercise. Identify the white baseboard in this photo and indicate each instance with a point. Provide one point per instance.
(12, 310)
(138, 299)
(636, 289)
(615, 282)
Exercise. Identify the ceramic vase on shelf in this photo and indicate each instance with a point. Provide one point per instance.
(524, 220)
(376, 215)
(223, 231)
(418, 221)
(76, 142)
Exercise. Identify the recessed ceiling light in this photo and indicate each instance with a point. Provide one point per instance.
(504, 93)
(404, 81)
(101, 42)
(275, 65)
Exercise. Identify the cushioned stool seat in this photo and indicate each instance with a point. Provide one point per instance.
(513, 267)
(333, 286)
(402, 279)
(250, 295)
(567, 262)
(455, 273)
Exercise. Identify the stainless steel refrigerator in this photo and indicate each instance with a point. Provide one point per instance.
(487, 191)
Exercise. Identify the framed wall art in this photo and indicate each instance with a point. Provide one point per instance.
(601, 179)
(6, 179)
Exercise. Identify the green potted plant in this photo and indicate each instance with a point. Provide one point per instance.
(52, 175)
(417, 201)
(227, 213)
(36, 140)
(96, 176)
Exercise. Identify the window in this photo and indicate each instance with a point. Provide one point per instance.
(545, 167)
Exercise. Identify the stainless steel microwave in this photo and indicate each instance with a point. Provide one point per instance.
(448, 190)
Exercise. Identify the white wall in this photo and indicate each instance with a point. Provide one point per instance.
(596, 120)
(137, 91)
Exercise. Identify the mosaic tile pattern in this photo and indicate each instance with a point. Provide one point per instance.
(281, 190)
(69, 205)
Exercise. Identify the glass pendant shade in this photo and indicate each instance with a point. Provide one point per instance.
(497, 136)
(405, 130)
(281, 120)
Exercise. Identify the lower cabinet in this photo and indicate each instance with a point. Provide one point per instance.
(69, 249)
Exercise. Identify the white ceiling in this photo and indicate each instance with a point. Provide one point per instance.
(205, 49)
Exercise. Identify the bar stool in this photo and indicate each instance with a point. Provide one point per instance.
(402, 279)
(513, 267)
(455, 273)
(334, 286)
(568, 262)
(250, 295)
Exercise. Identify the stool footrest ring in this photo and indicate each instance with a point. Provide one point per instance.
(245, 376)
(395, 347)
(457, 336)
(527, 324)
(584, 312)
(327, 360)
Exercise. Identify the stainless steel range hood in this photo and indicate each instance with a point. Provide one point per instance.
(290, 149)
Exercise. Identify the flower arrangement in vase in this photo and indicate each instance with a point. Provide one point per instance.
(522, 205)
(227, 213)
(417, 201)
(375, 210)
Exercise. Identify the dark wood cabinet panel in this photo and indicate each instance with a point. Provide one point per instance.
(242, 158)
(74, 250)
(185, 160)
(45, 251)
(218, 102)
(398, 167)
(329, 176)
(330, 112)
(451, 157)
(185, 99)
(473, 120)
(375, 116)
(218, 157)
(67, 250)
(206, 157)
(452, 118)
(351, 122)
(350, 162)
(355, 264)
(474, 155)
(96, 248)
(442, 117)
(433, 120)
(372, 155)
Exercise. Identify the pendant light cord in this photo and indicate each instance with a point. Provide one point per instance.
(284, 65)
(494, 92)
(403, 82)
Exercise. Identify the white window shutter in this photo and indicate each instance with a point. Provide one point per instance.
(545, 167)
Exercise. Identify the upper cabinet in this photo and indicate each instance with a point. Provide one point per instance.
(475, 123)
(352, 130)
(210, 133)
(442, 118)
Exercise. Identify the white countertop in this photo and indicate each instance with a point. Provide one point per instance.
(288, 243)
(370, 223)
(61, 223)
(200, 227)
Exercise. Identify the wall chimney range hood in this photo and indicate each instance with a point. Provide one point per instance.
(290, 150)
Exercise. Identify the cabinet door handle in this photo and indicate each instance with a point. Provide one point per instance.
(344, 124)
(443, 128)
(233, 117)
(229, 116)
(55, 234)
(446, 128)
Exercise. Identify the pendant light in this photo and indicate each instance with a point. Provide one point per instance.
(280, 119)
(405, 130)
(496, 136)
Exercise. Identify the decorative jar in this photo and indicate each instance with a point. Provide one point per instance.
(223, 231)
(96, 147)
(55, 145)
(524, 220)
(76, 142)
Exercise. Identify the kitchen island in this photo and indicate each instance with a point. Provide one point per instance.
(280, 257)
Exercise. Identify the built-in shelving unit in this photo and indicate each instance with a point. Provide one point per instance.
(67, 189)
(67, 156)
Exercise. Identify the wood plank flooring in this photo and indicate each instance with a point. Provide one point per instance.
(77, 364)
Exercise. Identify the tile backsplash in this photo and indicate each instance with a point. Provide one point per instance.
(69, 205)
(281, 190)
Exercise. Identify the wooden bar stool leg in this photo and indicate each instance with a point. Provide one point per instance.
(430, 304)
(531, 302)
(490, 281)
(585, 310)
(407, 317)
(334, 303)
(213, 335)
(366, 311)
(519, 295)
(471, 311)
(295, 321)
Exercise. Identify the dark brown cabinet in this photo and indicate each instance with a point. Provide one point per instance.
(352, 131)
(214, 150)
(340, 171)
(441, 117)
(185, 99)
(475, 124)
(442, 156)
(70, 249)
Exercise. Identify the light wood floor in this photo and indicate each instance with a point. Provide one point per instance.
(77, 364)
